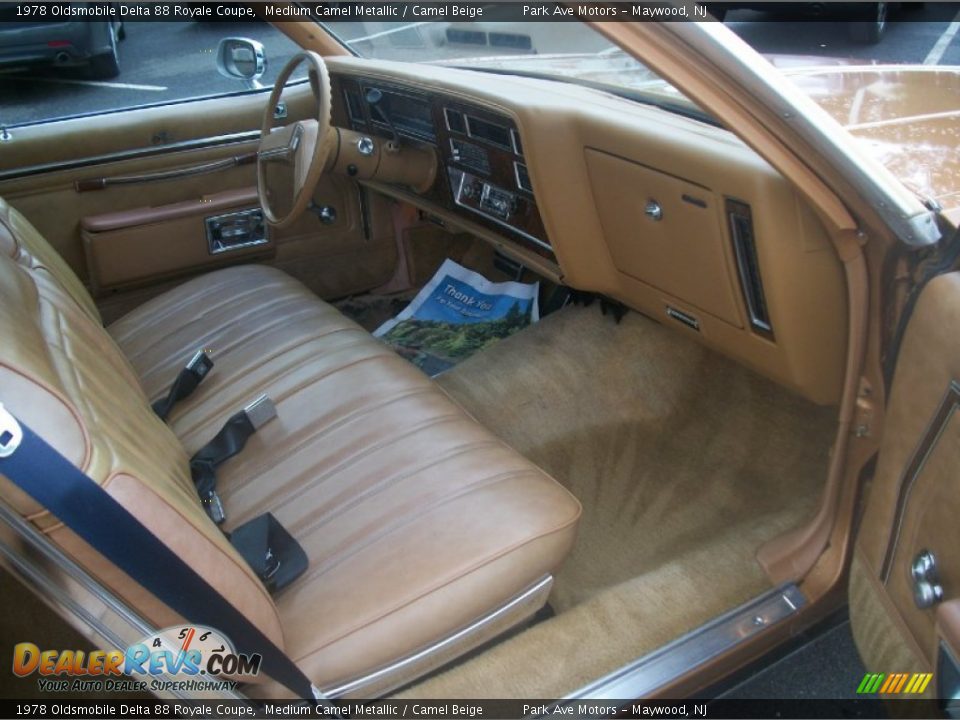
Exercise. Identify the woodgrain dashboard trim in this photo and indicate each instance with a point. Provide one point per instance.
(525, 226)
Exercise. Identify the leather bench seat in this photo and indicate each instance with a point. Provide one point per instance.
(417, 521)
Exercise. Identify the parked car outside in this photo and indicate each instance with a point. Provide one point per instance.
(31, 35)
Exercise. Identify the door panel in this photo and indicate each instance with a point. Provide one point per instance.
(47, 170)
(149, 244)
(914, 501)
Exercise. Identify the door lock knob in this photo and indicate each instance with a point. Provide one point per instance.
(653, 210)
(927, 590)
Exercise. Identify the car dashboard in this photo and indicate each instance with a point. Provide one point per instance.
(673, 217)
(483, 175)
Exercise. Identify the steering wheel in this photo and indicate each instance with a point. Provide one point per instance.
(291, 157)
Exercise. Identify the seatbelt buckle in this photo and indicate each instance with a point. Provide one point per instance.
(11, 434)
(260, 412)
(200, 364)
(214, 507)
(271, 564)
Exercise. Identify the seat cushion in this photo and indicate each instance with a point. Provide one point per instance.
(417, 521)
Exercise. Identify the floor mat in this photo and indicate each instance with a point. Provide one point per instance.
(372, 311)
(685, 463)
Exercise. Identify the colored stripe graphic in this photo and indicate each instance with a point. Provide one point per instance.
(888, 683)
(894, 683)
(870, 683)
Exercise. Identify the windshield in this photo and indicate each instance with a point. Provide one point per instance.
(896, 99)
(569, 51)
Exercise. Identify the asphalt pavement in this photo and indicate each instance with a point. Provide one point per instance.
(163, 62)
(159, 62)
(911, 35)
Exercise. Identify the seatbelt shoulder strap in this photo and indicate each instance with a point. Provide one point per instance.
(87, 509)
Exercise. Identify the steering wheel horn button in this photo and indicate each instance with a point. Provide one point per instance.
(284, 152)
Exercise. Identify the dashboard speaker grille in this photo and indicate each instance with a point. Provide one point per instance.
(748, 266)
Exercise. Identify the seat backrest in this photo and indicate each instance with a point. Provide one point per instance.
(20, 241)
(63, 375)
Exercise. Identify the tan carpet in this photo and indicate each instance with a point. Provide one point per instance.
(685, 463)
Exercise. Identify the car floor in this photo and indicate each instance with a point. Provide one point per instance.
(825, 667)
(371, 311)
(685, 464)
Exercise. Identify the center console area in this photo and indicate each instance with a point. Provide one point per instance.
(483, 174)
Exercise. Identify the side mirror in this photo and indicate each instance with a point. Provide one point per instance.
(243, 59)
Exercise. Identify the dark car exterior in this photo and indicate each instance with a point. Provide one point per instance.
(61, 35)
(866, 21)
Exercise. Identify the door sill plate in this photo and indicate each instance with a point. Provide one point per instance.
(644, 676)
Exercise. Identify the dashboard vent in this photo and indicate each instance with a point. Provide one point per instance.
(455, 121)
(490, 132)
(515, 139)
(748, 267)
(354, 106)
(523, 177)
(470, 155)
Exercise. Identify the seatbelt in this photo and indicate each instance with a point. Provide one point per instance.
(272, 552)
(187, 381)
(87, 509)
(228, 442)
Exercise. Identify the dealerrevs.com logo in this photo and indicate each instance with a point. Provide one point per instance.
(191, 657)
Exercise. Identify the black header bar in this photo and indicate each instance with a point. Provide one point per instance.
(63, 707)
(396, 12)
